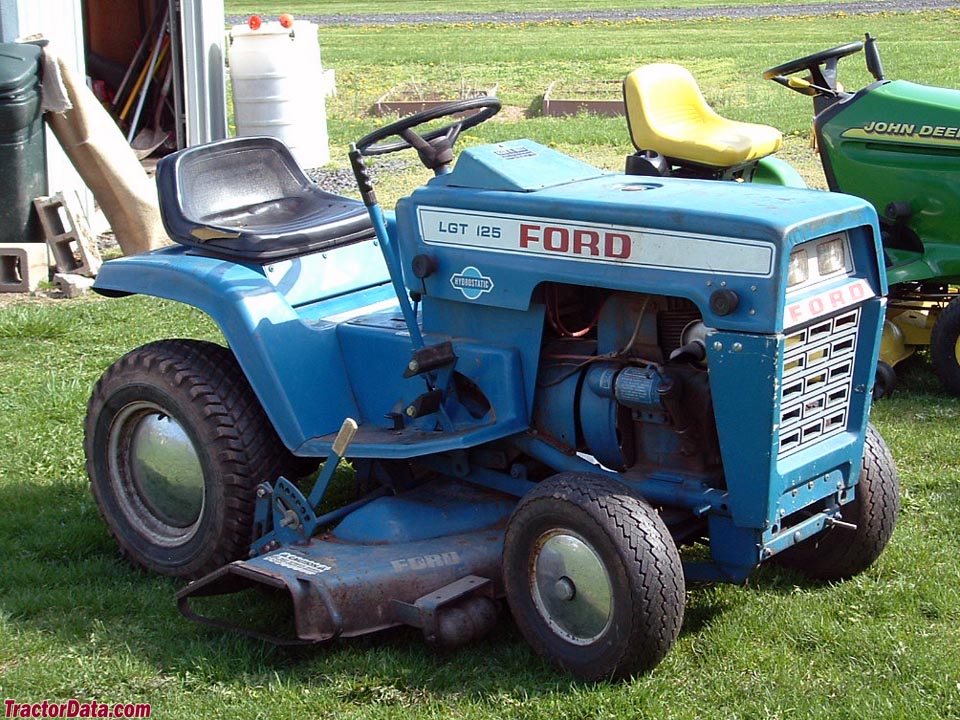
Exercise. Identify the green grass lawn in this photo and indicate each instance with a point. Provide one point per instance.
(726, 56)
(76, 621)
(335, 7)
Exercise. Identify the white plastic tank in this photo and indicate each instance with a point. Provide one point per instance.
(276, 75)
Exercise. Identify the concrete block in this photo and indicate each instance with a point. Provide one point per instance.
(72, 285)
(72, 244)
(23, 266)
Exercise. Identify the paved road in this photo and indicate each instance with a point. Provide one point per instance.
(742, 11)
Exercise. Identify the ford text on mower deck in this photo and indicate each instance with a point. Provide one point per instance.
(547, 378)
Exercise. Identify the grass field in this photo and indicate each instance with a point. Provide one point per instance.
(334, 7)
(726, 56)
(77, 622)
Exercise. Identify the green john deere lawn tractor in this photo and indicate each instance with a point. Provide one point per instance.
(894, 143)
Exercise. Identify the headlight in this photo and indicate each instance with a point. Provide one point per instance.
(830, 257)
(819, 260)
(799, 268)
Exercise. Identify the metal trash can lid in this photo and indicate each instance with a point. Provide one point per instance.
(19, 68)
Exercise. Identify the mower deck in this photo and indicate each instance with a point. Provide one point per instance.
(397, 560)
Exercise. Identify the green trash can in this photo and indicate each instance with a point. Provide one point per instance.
(23, 171)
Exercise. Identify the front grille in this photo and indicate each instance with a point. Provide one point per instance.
(817, 381)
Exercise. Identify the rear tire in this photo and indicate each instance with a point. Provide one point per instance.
(945, 347)
(176, 443)
(593, 577)
(840, 553)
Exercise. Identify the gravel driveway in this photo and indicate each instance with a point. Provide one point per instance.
(509, 18)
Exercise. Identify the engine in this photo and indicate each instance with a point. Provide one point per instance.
(623, 379)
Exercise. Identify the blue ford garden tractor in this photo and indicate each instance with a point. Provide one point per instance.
(547, 378)
(893, 142)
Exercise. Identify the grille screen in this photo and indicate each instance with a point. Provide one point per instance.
(817, 381)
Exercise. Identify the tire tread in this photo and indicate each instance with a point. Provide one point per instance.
(658, 597)
(837, 554)
(246, 443)
(943, 347)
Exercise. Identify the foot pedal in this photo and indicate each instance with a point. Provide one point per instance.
(425, 404)
(430, 358)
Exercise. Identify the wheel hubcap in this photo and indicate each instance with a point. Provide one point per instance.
(156, 473)
(571, 587)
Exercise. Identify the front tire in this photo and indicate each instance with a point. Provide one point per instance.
(945, 347)
(839, 553)
(593, 578)
(176, 442)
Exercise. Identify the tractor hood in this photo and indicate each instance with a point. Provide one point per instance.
(517, 167)
(901, 113)
(899, 142)
(513, 215)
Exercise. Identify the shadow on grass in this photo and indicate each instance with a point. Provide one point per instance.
(65, 585)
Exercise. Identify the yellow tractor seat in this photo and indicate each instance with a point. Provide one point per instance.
(666, 112)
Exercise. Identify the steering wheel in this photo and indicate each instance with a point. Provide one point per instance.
(823, 81)
(435, 147)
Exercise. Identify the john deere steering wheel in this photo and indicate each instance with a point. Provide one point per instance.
(823, 80)
(434, 146)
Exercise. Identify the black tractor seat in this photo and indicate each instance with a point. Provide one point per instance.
(246, 198)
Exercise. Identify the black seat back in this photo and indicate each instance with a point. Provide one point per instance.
(246, 198)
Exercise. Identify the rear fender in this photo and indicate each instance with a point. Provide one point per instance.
(294, 367)
(774, 171)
